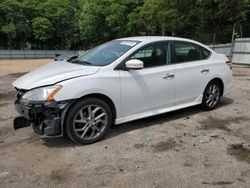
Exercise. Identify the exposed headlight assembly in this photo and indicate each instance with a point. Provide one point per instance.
(41, 94)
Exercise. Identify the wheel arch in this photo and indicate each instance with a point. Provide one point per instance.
(103, 97)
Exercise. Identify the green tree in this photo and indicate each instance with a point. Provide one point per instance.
(41, 29)
(10, 31)
(116, 18)
(80, 24)
(63, 16)
(188, 18)
(92, 22)
(160, 14)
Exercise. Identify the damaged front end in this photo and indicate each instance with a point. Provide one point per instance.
(45, 117)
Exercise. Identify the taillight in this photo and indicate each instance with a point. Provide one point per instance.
(229, 63)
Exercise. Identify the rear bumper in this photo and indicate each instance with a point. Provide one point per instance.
(46, 118)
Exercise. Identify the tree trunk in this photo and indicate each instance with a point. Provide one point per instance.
(163, 31)
(214, 37)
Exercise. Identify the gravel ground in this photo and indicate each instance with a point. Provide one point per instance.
(186, 148)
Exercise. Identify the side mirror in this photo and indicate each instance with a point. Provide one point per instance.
(134, 64)
(72, 58)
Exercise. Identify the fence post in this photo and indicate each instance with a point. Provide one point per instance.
(232, 45)
(10, 54)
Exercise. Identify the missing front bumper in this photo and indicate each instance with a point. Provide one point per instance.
(45, 118)
(20, 122)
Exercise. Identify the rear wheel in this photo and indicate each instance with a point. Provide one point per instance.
(211, 95)
(88, 121)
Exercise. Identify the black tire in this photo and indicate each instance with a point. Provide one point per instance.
(205, 101)
(79, 110)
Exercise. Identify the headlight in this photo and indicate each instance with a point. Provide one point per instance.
(41, 94)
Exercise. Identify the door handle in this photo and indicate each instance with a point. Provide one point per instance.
(205, 71)
(169, 76)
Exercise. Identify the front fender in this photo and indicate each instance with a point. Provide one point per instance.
(108, 85)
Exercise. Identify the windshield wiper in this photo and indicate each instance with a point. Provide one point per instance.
(77, 61)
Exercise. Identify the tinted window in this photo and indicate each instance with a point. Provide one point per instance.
(146, 52)
(106, 53)
(204, 52)
(154, 55)
(185, 51)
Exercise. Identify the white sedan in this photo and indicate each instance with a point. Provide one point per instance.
(117, 82)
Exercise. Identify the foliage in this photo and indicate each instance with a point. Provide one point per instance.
(41, 28)
(80, 24)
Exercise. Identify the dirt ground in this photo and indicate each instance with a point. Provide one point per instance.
(186, 148)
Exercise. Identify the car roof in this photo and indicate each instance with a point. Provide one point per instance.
(149, 39)
(154, 38)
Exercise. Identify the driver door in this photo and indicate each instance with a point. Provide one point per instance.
(150, 90)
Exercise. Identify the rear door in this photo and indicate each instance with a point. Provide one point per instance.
(192, 71)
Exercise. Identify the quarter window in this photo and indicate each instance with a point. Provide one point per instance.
(154, 55)
(204, 52)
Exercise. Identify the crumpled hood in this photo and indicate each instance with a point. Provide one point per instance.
(52, 73)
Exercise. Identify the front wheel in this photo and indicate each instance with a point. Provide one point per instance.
(88, 121)
(211, 96)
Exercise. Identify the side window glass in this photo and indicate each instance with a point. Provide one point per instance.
(204, 52)
(154, 55)
(145, 53)
(185, 52)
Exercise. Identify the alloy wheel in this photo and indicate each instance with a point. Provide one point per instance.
(212, 95)
(90, 122)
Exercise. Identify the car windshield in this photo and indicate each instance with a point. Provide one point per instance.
(106, 53)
